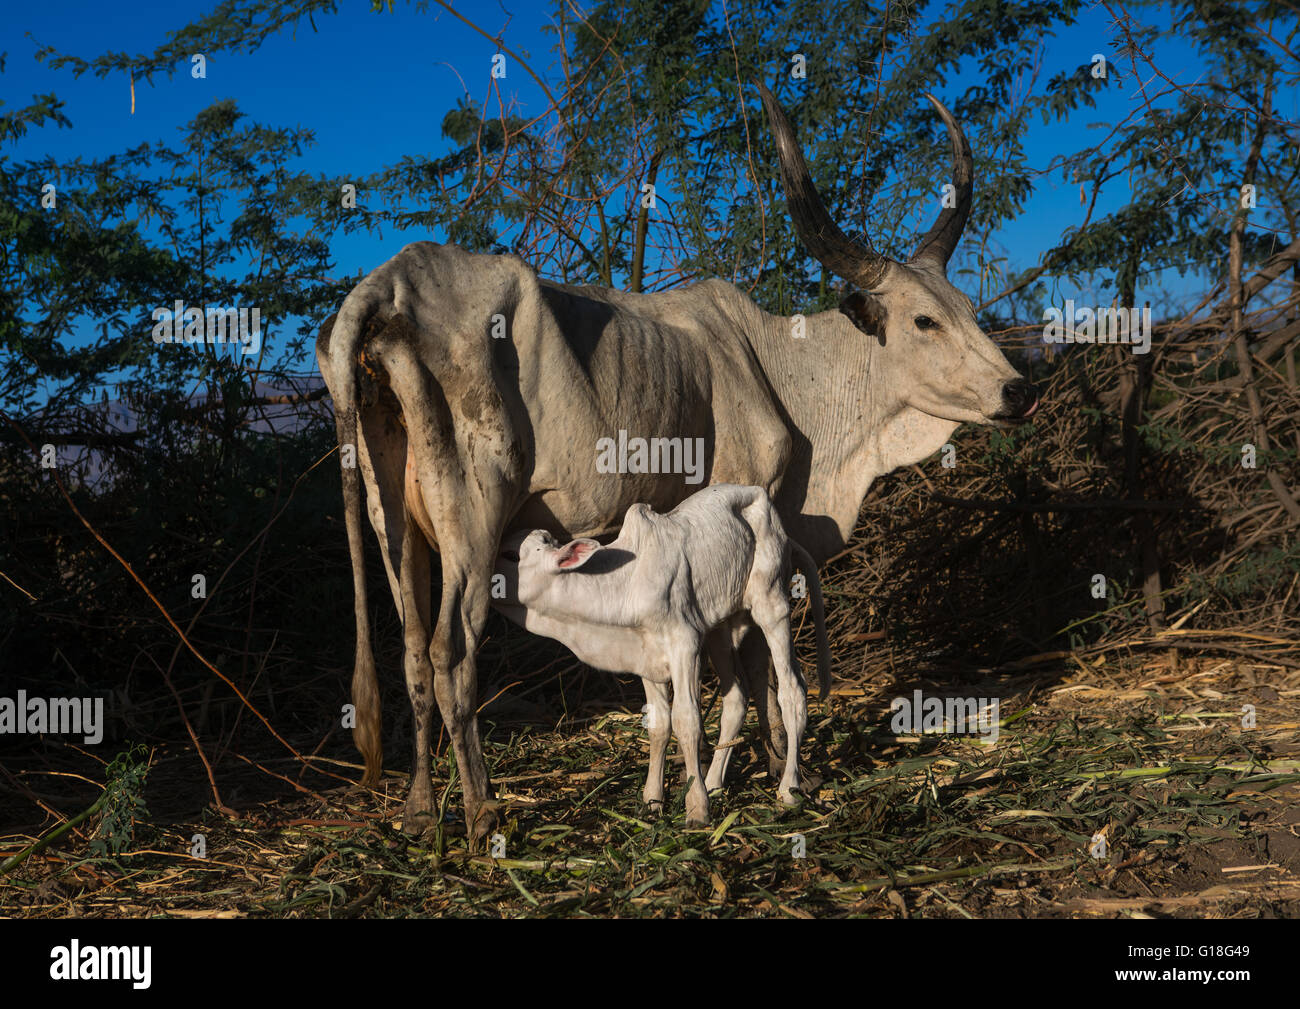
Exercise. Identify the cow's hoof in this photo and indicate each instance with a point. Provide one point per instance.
(483, 821)
(697, 821)
(652, 807)
(418, 817)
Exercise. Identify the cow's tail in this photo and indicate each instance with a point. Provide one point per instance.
(808, 567)
(346, 344)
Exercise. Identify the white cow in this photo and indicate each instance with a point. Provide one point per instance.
(647, 602)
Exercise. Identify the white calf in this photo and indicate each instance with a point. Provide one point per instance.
(646, 603)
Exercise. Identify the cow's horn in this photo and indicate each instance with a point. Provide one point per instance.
(859, 265)
(940, 241)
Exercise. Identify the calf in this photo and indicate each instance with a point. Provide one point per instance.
(648, 601)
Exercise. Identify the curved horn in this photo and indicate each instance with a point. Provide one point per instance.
(940, 241)
(859, 265)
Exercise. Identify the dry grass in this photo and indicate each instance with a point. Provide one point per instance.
(1200, 819)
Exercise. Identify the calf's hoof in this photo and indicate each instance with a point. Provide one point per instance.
(697, 813)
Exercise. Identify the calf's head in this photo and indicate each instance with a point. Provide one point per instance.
(542, 560)
(948, 366)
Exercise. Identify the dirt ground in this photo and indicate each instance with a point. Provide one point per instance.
(1121, 788)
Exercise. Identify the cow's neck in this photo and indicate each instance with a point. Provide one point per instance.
(843, 397)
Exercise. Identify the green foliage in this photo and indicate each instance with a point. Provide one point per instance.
(209, 221)
(124, 809)
(1252, 574)
(236, 25)
(44, 108)
(1182, 162)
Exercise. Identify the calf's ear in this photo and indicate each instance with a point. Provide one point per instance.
(574, 555)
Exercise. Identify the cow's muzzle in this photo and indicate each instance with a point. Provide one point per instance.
(1019, 401)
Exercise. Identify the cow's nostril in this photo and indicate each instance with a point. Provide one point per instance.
(1020, 397)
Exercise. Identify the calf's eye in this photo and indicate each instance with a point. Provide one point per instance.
(925, 322)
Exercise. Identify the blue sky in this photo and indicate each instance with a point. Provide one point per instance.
(374, 87)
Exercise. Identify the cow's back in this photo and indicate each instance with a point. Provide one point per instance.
(548, 371)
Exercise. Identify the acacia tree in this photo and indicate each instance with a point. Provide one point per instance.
(90, 248)
(1184, 158)
(642, 93)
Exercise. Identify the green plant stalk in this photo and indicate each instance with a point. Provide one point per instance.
(38, 846)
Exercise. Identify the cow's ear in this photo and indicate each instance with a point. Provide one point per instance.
(575, 555)
(867, 313)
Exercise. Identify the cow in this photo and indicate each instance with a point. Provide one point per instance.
(469, 396)
(646, 603)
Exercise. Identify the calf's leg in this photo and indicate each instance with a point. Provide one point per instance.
(772, 615)
(685, 667)
(756, 667)
(732, 688)
(659, 724)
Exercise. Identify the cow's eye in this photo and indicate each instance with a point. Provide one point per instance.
(925, 322)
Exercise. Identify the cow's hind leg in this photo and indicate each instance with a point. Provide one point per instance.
(467, 493)
(468, 550)
(414, 589)
(406, 561)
